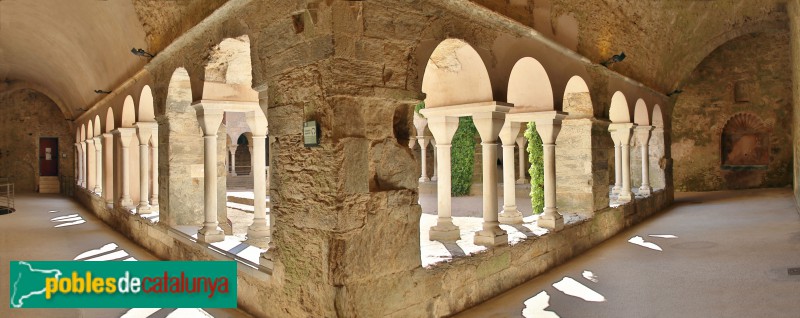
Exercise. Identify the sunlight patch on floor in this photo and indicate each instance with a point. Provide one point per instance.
(536, 305)
(572, 287)
(638, 240)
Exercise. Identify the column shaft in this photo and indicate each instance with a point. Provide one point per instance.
(258, 231)
(508, 136)
(522, 143)
(154, 165)
(489, 125)
(443, 128)
(423, 150)
(98, 147)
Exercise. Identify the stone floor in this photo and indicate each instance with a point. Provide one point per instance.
(53, 227)
(714, 254)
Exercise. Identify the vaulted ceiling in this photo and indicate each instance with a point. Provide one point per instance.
(69, 49)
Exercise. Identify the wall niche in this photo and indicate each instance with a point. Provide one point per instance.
(745, 143)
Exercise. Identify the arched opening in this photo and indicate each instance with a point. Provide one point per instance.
(128, 144)
(639, 147)
(455, 75)
(529, 86)
(91, 159)
(619, 111)
(658, 159)
(621, 130)
(109, 175)
(577, 100)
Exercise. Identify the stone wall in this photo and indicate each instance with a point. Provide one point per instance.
(28, 115)
(748, 75)
(794, 15)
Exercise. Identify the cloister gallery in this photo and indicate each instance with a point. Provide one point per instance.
(398, 158)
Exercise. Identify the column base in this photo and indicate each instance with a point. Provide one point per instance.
(444, 232)
(625, 196)
(616, 189)
(434, 179)
(154, 208)
(98, 190)
(552, 220)
(510, 217)
(645, 191)
(266, 259)
(424, 179)
(210, 235)
(143, 208)
(126, 203)
(258, 236)
(492, 237)
(522, 181)
(233, 174)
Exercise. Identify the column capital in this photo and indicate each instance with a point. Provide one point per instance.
(257, 122)
(509, 132)
(443, 128)
(125, 134)
(98, 142)
(233, 148)
(643, 133)
(209, 117)
(144, 130)
(489, 124)
(622, 132)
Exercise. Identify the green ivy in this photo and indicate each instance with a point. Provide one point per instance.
(463, 156)
(537, 168)
(419, 106)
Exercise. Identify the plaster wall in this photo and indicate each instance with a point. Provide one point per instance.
(757, 66)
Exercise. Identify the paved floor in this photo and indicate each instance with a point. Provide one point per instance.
(52, 227)
(714, 254)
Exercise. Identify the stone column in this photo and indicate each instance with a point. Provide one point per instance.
(435, 175)
(108, 163)
(233, 148)
(98, 148)
(210, 120)
(489, 125)
(623, 132)
(443, 128)
(643, 136)
(125, 135)
(508, 135)
(423, 145)
(79, 163)
(250, 148)
(522, 143)
(258, 232)
(154, 179)
(85, 164)
(548, 126)
(617, 160)
(144, 130)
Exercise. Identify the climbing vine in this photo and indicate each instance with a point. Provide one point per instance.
(419, 106)
(537, 167)
(463, 156)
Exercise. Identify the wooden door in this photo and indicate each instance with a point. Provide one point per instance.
(48, 156)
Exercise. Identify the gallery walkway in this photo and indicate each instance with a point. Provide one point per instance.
(715, 254)
(54, 227)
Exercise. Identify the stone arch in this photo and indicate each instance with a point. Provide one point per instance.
(640, 114)
(745, 141)
(89, 129)
(179, 92)
(455, 74)
(529, 86)
(658, 118)
(110, 120)
(97, 128)
(619, 111)
(577, 99)
(82, 132)
(128, 113)
(146, 111)
(228, 73)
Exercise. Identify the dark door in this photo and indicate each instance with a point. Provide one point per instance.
(48, 156)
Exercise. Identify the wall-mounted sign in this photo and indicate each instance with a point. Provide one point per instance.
(311, 134)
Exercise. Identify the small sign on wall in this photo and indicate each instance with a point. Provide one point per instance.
(311, 134)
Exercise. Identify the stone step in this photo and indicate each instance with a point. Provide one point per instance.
(49, 185)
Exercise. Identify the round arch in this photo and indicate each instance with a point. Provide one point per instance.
(619, 112)
(658, 118)
(83, 132)
(89, 129)
(640, 113)
(128, 113)
(146, 111)
(97, 128)
(577, 98)
(110, 120)
(455, 74)
(529, 86)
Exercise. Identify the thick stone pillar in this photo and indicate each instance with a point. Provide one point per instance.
(443, 128)
(548, 125)
(210, 120)
(435, 175)
(423, 145)
(582, 165)
(85, 159)
(98, 148)
(258, 231)
(154, 178)
(250, 148)
(623, 133)
(643, 136)
(144, 130)
(489, 125)
(108, 163)
(508, 135)
(522, 144)
(232, 149)
(125, 136)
